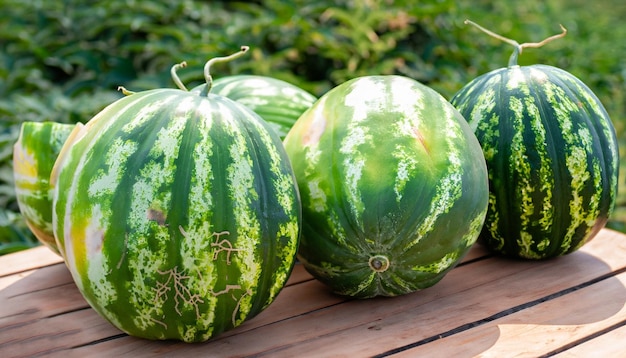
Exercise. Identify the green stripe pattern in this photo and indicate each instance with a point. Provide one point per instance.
(552, 157)
(393, 185)
(178, 215)
(34, 154)
(279, 103)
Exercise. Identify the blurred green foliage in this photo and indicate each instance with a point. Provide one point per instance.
(62, 61)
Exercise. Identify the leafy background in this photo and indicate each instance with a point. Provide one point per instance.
(62, 61)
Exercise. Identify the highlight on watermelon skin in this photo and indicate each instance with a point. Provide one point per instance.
(393, 185)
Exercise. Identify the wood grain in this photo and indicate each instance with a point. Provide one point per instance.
(573, 306)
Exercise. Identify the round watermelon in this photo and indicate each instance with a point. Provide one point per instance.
(393, 185)
(552, 158)
(177, 213)
(34, 154)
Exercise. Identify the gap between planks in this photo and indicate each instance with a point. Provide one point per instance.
(575, 315)
(27, 260)
(332, 306)
(383, 324)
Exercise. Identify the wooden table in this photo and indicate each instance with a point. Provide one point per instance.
(573, 306)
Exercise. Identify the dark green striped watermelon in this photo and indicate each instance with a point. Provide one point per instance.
(177, 214)
(393, 185)
(34, 154)
(278, 102)
(552, 157)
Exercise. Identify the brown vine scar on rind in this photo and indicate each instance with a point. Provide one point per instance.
(181, 291)
(223, 245)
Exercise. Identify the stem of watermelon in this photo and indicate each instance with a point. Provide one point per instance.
(175, 77)
(207, 67)
(518, 47)
(124, 91)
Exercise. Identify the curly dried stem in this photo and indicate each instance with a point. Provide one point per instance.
(518, 47)
(124, 91)
(175, 77)
(207, 67)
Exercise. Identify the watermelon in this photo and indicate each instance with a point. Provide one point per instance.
(393, 186)
(278, 102)
(34, 154)
(177, 213)
(552, 158)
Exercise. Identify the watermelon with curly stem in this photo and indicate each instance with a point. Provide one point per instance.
(177, 213)
(552, 157)
(278, 102)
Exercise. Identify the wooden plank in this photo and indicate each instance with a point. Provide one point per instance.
(34, 280)
(25, 309)
(544, 328)
(468, 294)
(7, 281)
(305, 321)
(41, 311)
(452, 310)
(27, 260)
(456, 312)
(311, 293)
(47, 292)
(55, 333)
(610, 344)
(53, 315)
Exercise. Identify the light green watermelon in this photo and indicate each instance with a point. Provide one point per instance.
(34, 154)
(393, 185)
